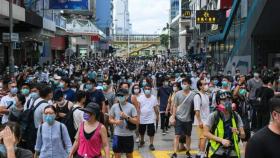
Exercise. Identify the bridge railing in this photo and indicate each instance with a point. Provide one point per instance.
(136, 38)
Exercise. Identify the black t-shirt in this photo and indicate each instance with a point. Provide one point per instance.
(264, 144)
(96, 97)
(266, 94)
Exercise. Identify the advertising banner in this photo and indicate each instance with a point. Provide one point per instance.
(69, 4)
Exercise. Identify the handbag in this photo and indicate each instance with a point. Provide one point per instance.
(172, 119)
(130, 126)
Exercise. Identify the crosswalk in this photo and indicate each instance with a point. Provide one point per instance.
(156, 154)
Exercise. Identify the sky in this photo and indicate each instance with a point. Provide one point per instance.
(148, 16)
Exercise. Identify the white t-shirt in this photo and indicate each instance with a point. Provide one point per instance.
(203, 108)
(7, 101)
(147, 112)
(78, 116)
(38, 113)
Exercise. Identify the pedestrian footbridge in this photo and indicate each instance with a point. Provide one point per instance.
(136, 39)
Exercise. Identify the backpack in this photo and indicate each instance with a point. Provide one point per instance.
(69, 123)
(216, 122)
(28, 129)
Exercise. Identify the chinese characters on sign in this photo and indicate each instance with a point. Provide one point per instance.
(207, 16)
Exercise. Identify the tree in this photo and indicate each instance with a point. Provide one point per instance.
(164, 40)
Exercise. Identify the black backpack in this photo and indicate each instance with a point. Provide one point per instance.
(28, 129)
(69, 123)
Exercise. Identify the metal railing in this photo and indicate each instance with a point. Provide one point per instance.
(135, 38)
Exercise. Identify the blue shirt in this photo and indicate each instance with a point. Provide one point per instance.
(69, 95)
(49, 143)
(163, 94)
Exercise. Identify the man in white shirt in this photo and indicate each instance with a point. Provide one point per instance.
(77, 113)
(46, 95)
(202, 111)
(148, 113)
(8, 101)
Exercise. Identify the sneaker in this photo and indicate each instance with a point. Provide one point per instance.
(163, 132)
(152, 148)
(141, 144)
(188, 154)
(174, 155)
(137, 140)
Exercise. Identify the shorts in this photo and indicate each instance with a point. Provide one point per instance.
(122, 144)
(183, 128)
(200, 132)
(150, 129)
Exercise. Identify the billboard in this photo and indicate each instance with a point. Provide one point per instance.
(69, 4)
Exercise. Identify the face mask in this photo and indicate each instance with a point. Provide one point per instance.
(1, 85)
(228, 106)
(242, 91)
(88, 87)
(147, 92)
(206, 88)
(185, 87)
(136, 91)
(121, 99)
(175, 89)
(105, 87)
(224, 83)
(24, 91)
(129, 81)
(34, 95)
(14, 90)
(144, 83)
(166, 84)
(86, 116)
(49, 118)
(61, 85)
(55, 83)
(256, 75)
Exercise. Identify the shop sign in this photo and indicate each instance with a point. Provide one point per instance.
(208, 16)
(6, 37)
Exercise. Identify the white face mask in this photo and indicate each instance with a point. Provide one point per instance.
(136, 91)
(1, 85)
(206, 88)
(175, 89)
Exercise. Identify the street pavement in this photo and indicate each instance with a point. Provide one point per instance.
(164, 146)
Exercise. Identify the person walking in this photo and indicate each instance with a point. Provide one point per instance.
(223, 128)
(121, 115)
(53, 140)
(149, 112)
(202, 111)
(182, 113)
(91, 136)
(163, 95)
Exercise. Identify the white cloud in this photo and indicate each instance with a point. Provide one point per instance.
(148, 16)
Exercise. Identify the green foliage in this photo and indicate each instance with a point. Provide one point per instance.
(164, 40)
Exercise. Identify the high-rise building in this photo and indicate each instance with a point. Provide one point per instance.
(121, 18)
(104, 15)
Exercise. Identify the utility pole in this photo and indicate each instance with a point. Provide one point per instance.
(12, 59)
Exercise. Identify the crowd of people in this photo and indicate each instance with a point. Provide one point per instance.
(82, 108)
